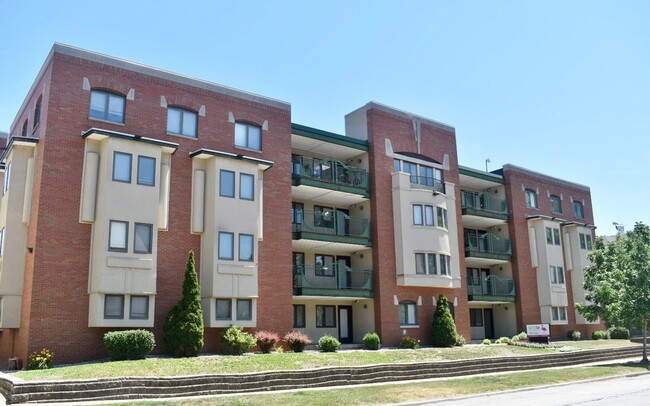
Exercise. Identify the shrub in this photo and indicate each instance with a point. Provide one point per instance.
(129, 344)
(487, 341)
(460, 341)
(573, 335)
(520, 337)
(237, 340)
(327, 343)
(409, 343)
(183, 328)
(42, 359)
(371, 341)
(443, 328)
(619, 333)
(504, 340)
(599, 335)
(266, 340)
(297, 341)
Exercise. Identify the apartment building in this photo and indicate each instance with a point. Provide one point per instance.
(113, 171)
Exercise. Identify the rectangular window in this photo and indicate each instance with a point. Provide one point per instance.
(106, 106)
(411, 169)
(588, 240)
(246, 186)
(556, 205)
(531, 199)
(420, 264)
(122, 167)
(407, 314)
(579, 209)
(246, 247)
(549, 235)
(2, 241)
(5, 183)
(226, 248)
(428, 215)
(417, 214)
(557, 275)
(426, 175)
(139, 308)
(476, 317)
(181, 122)
(556, 236)
(432, 263)
(323, 217)
(224, 309)
(558, 313)
(248, 136)
(442, 218)
(298, 316)
(226, 183)
(324, 265)
(118, 236)
(146, 170)
(244, 309)
(583, 243)
(397, 165)
(297, 210)
(114, 306)
(142, 240)
(445, 264)
(325, 316)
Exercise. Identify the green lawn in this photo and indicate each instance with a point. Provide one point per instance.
(397, 393)
(215, 364)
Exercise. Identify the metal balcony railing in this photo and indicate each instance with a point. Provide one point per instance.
(490, 286)
(331, 222)
(332, 276)
(483, 201)
(423, 182)
(330, 171)
(486, 243)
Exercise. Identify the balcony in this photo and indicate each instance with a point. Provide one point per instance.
(330, 226)
(482, 210)
(423, 182)
(309, 176)
(490, 289)
(485, 249)
(333, 280)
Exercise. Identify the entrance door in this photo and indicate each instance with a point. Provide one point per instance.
(343, 263)
(488, 321)
(345, 324)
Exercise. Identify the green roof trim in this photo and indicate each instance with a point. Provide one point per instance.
(475, 173)
(327, 136)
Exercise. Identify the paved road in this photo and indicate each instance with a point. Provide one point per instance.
(624, 391)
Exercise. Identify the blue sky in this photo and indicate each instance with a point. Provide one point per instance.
(558, 87)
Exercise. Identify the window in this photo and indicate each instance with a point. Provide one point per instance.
(181, 122)
(246, 247)
(323, 217)
(442, 217)
(552, 236)
(549, 235)
(411, 169)
(558, 313)
(425, 263)
(579, 209)
(122, 167)
(226, 249)
(2, 241)
(588, 242)
(557, 275)
(5, 183)
(226, 183)
(445, 264)
(118, 236)
(324, 265)
(244, 309)
(417, 214)
(114, 307)
(556, 236)
(37, 112)
(408, 314)
(298, 316)
(397, 165)
(583, 244)
(106, 106)
(139, 307)
(428, 215)
(248, 136)
(476, 317)
(531, 199)
(556, 204)
(146, 170)
(426, 175)
(224, 309)
(142, 240)
(24, 130)
(325, 316)
(296, 212)
(246, 186)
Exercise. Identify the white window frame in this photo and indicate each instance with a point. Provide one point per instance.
(441, 217)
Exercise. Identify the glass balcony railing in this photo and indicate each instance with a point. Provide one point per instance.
(423, 182)
(332, 280)
(490, 288)
(329, 172)
(330, 225)
(483, 204)
(486, 246)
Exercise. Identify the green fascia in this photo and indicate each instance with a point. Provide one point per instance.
(484, 213)
(326, 136)
(300, 180)
(486, 255)
(332, 292)
(306, 235)
(491, 298)
(475, 173)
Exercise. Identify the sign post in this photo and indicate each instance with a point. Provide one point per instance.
(538, 333)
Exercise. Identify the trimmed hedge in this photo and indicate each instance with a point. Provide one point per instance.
(129, 344)
(371, 341)
(327, 343)
(619, 333)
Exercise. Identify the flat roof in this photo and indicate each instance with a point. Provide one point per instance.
(327, 136)
(405, 114)
(475, 173)
(529, 172)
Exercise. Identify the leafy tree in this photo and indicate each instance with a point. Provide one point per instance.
(183, 327)
(618, 282)
(443, 328)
